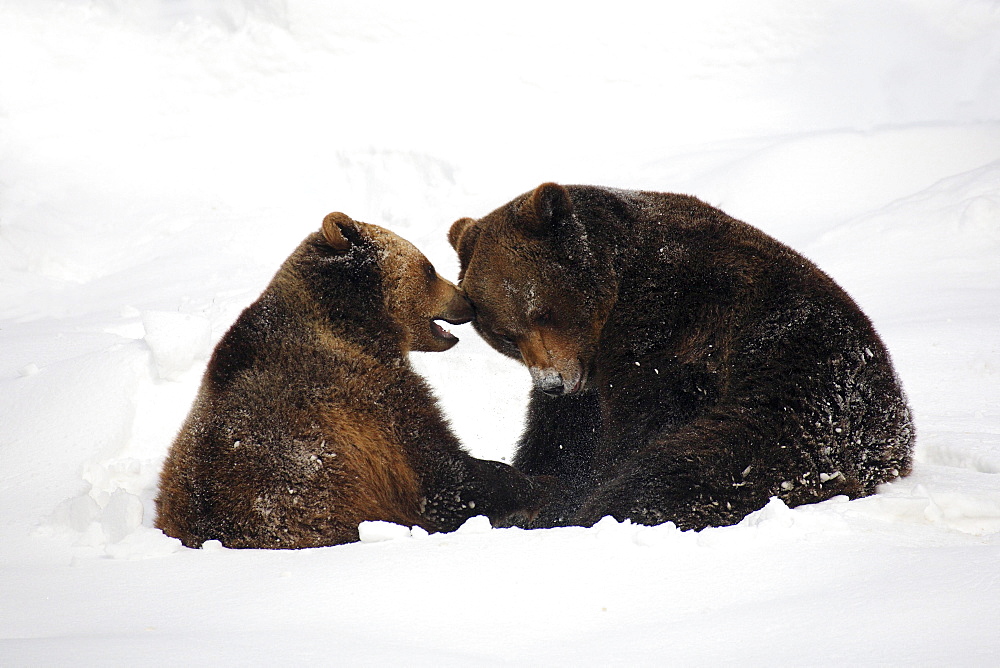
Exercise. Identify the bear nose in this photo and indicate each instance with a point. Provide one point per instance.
(548, 381)
(459, 311)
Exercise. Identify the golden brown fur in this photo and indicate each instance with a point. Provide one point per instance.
(310, 420)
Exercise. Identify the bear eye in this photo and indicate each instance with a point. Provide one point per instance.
(507, 339)
(429, 271)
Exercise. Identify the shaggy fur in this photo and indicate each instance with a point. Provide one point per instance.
(686, 366)
(310, 420)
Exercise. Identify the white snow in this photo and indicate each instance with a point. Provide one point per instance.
(160, 158)
(176, 341)
(378, 531)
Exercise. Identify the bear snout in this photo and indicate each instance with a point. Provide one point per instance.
(458, 311)
(553, 383)
(548, 381)
(553, 360)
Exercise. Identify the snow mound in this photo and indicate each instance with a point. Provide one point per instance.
(377, 532)
(177, 341)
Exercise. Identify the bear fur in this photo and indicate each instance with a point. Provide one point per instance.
(310, 419)
(686, 367)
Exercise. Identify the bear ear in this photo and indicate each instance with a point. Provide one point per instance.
(458, 230)
(547, 208)
(462, 236)
(332, 230)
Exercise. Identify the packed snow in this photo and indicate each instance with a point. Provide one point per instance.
(160, 158)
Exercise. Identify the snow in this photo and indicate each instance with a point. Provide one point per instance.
(159, 159)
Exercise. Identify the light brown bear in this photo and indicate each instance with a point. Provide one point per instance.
(686, 366)
(310, 419)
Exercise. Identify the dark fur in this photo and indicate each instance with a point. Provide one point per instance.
(310, 420)
(718, 367)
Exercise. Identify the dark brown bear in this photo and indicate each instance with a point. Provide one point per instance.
(310, 419)
(686, 366)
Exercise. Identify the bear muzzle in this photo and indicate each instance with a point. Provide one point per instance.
(554, 361)
(458, 311)
(553, 383)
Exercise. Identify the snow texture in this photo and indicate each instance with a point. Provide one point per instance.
(159, 159)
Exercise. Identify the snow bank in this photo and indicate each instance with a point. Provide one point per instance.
(160, 159)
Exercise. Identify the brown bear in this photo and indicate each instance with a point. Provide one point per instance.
(310, 418)
(686, 367)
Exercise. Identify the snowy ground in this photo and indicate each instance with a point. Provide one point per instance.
(159, 158)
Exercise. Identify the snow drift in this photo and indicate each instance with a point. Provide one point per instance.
(160, 159)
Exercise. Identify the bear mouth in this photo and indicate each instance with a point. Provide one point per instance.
(441, 333)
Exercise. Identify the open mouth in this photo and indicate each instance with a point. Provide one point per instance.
(442, 333)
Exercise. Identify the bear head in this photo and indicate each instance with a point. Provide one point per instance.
(416, 297)
(540, 292)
